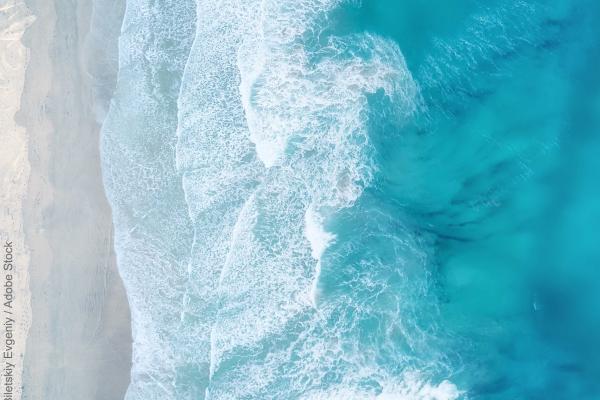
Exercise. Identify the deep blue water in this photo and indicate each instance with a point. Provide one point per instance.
(322, 199)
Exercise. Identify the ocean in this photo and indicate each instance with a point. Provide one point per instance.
(339, 200)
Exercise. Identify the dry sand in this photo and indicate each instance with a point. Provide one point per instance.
(15, 311)
(79, 341)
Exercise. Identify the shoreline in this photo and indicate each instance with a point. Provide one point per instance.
(80, 334)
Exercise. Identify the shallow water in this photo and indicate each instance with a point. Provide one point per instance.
(342, 200)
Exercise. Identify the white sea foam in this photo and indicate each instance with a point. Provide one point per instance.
(319, 240)
(306, 114)
(316, 234)
(411, 388)
(270, 133)
(310, 109)
(152, 229)
(217, 162)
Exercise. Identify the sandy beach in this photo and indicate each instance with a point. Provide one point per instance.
(54, 210)
(14, 174)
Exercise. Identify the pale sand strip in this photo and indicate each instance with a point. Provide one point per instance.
(14, 174)
(79, 343)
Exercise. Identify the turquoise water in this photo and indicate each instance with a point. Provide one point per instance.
(326, 199)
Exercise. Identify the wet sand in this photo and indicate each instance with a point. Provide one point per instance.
(79, 342)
